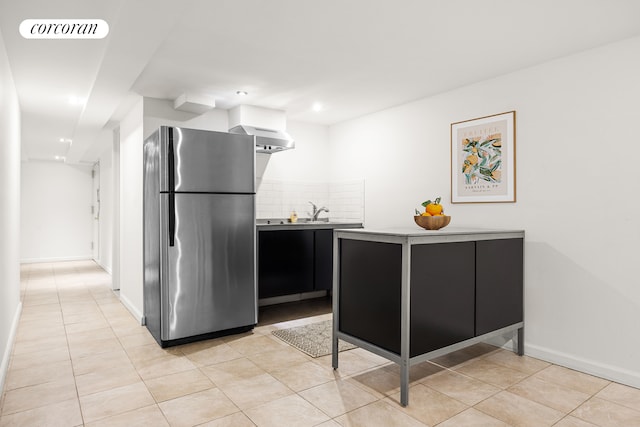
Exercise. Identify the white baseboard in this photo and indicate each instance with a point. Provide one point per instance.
(56, 259)
(612, 373)
(4, 364)
(132, 309)
(104, 267)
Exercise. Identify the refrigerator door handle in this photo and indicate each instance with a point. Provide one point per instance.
(172, 187)
(172, 218)
(171, 168)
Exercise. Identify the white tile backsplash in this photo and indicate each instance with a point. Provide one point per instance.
(347, 199)
(277, 199)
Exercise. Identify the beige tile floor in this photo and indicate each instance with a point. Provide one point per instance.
(81, 359)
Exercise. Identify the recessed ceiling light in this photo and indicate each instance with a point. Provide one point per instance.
(76, 100)
(61, 140)
(317, 107)
(242, 93)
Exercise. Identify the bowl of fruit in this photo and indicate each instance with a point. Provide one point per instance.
(433, 217)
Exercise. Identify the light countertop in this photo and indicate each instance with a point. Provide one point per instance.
(283, 224)
(418, 235)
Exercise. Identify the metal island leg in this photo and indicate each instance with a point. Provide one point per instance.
(405, 346)
(334, 349)
(335, 302)
(521, 341)
(404, 383)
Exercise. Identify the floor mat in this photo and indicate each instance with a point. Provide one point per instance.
(313, 339)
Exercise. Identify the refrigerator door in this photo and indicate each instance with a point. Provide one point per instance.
(206, 161)
(209, 273)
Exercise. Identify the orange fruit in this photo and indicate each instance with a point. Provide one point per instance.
(434, 209)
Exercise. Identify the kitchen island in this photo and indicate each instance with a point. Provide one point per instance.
(411, 295)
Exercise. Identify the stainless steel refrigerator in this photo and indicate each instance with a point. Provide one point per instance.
(199, 234)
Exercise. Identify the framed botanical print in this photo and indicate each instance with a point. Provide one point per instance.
(483, 159)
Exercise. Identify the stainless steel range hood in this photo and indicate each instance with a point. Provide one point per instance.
(267, 140)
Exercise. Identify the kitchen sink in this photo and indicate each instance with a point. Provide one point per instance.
(301, 221)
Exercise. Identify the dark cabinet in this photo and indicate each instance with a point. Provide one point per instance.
(499, 270)
(294, 261)
(285, 262)
(442, 295)
(323, 262)
(370, 305)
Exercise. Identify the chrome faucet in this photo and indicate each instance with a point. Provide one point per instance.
(316, 211)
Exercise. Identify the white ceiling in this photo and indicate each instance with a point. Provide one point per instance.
(355, 56)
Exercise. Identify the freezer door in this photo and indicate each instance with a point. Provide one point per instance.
(209, 279)
(206, 161)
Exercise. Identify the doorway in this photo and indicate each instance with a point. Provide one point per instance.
(95, 211)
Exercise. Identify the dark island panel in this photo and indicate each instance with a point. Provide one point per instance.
(499, 290)
(442, 295)
(370, 306)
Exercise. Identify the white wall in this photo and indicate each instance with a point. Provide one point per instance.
(115, 258)
(9, 212)
(576, 128)
(56, 203)
(308, 161)
(130, 218)
(294, 177)
(106, 210)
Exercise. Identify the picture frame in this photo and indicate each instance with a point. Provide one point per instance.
(483, 159)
